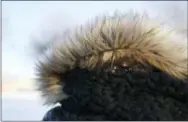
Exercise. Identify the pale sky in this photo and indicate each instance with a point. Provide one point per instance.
(22, 20)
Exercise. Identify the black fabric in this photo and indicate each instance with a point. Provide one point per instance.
(122, 95)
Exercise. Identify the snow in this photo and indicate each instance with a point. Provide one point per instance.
(22, 107)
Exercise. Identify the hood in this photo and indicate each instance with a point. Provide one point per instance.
(119, 40)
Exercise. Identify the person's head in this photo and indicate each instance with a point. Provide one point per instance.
(121, 67)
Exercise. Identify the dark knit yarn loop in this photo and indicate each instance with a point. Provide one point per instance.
(121, 95)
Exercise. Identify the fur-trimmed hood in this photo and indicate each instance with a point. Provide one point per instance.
(109, 41)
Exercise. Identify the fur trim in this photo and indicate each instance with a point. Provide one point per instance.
(109, 41)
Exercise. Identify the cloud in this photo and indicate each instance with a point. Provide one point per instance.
(12, 83)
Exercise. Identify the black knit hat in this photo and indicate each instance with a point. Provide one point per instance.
(121, 67)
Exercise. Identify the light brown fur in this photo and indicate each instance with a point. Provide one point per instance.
(117, 40)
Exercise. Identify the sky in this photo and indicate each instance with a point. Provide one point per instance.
(23, 21)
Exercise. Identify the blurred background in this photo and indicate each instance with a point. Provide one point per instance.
(28, 28)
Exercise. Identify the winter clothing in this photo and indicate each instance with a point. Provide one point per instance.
(121, 67)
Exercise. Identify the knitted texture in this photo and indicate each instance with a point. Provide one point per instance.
(124, 94)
